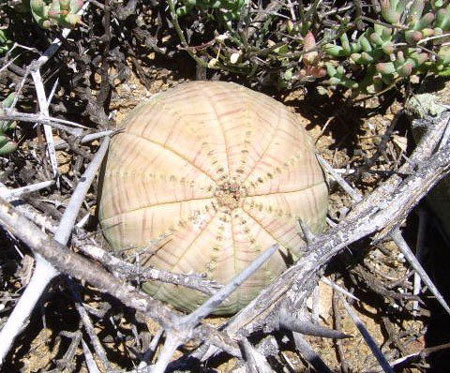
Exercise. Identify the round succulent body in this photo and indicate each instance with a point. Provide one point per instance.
(224, 173)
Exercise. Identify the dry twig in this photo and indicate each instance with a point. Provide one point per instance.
(44, 271)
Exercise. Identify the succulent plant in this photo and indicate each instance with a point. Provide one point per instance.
(392, 10)
(224, 187)
(311, 58)
(366, 51)
(408, 44)
(6, 144)
(61, 13)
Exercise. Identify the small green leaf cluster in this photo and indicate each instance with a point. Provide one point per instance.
(5, 42)
(6, 144)
(406, 42)
(61, 13)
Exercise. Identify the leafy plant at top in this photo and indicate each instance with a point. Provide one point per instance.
(61, 13)
(411, 41)
(367, 49)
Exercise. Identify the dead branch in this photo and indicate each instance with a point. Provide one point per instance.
(382, 211)
(45, 271)
(72, 264)
(132, 272)
(305, 350)
(78, 267)
(294, 285)
(367, 337)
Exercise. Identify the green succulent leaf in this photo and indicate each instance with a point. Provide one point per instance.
(334, 50)
(386, 68)
(330, 70)
(391, 10)
(415, 11)
(365, 44)
(444, 55)
(442, 19)
(345, 44)
(425, 21)
(5, 42)
(445, 72)
(7, 146)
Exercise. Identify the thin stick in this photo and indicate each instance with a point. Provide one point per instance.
(338, 327)
(148, 355)
(39, 118)
(10, 62)
(367, 337)
(425, 40)
(95, 136)
(43, 107)
(301, 323)
(61, 144)
(90, 362)
(421, 354)
(88, 326)
(128, 270)
(70, 214)
(186, 324)
(305, 349)
(409, 255)
(256, 361)
(212, 303)
(21, 313)
(13, 194)
(180, 33)
(338, 288)
(170, 346)
(421, 230)
(354, 194)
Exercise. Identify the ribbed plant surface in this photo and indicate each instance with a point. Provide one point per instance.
(222, 170)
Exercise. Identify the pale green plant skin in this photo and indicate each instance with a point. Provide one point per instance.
(62, 13)
(7, 146)
(392, 52)
(5, 42)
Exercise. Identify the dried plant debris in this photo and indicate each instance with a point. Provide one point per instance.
(370, 293)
